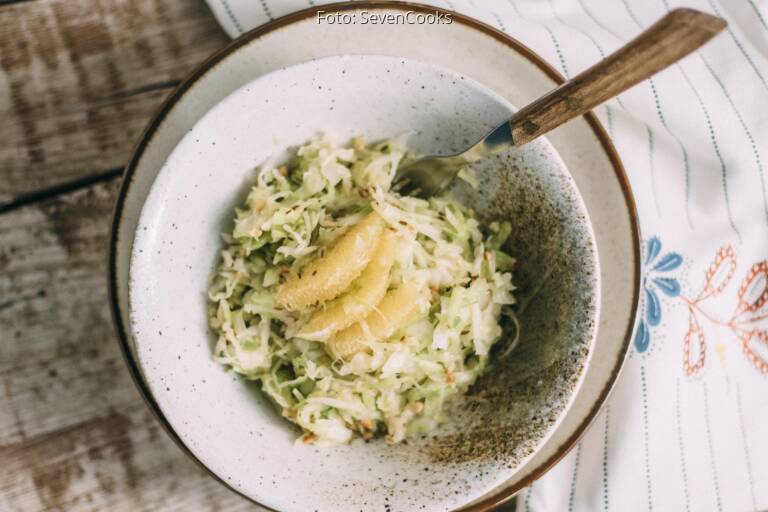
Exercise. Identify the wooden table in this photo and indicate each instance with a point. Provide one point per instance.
(79, 80)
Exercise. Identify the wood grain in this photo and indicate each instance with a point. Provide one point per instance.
(78, 82)
(74, 433)
(80, 78)
(662, 44)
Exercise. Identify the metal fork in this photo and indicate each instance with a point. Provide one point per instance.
(670, 39)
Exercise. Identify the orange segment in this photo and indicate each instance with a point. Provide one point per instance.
(325, 278)
(364, 293)
(394, 311)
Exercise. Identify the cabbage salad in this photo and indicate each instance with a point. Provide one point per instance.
(360, 311)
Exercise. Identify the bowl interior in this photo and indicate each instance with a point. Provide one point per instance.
(226, 422)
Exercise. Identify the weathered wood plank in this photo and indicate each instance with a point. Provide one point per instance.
(79, 80)
(120, 461)
(55, 326)
(74, 432)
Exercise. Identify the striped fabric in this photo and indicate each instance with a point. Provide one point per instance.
(686, 428)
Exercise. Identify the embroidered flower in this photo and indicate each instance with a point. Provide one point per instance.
(654, 279)
(747, 322)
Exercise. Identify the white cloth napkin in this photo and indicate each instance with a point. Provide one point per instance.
(686, 428)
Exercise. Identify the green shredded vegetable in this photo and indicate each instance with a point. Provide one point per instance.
(399, 387)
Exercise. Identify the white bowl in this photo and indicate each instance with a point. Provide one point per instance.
(447, 85)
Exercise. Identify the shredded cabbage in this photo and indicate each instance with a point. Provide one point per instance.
(399, 387)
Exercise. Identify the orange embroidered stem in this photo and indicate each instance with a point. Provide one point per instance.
(693, 306)
(752, 298)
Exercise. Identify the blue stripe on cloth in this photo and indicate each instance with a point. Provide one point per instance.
(687, 165)
(559, 51)
(514, 7)
(605, 455)
(609, 118)
(686, 161)
(740, 46)
(745, 444)
(660, 113)
(552, 37)
(752, 142)
(681, 447)
(652, 164)
(758, 13)
(232, 17)
(499, 22)
(574, 478)
(266, 9)
(608, 111)
(527, 501)
(663, 120)
(575, 28)
(646, 439)
(713, 465)
(713, 139)
(598, 22)
(657, 102)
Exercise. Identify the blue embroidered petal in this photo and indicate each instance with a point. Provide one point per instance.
(654, 246)
(642, 337)
(652, 308)
(670, 261)
(668, 285)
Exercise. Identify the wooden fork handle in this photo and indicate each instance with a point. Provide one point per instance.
(668, 40)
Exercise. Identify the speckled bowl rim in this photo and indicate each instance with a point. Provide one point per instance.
(503, 494)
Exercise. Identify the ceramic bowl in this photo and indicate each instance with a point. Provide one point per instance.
(574, 235)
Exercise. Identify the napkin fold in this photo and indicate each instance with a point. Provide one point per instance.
(686, 427)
